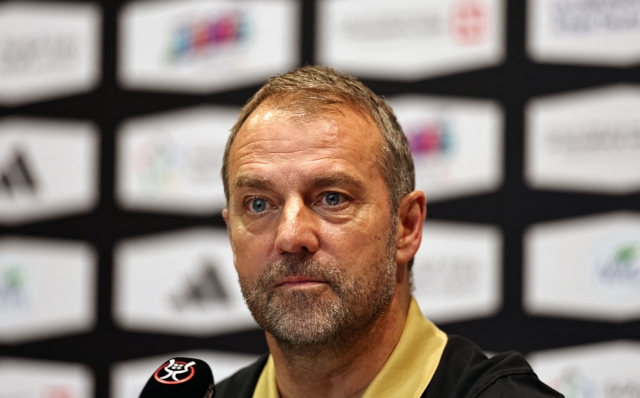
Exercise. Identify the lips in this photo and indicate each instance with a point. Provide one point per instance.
(294, 281)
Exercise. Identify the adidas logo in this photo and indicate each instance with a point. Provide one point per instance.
(16, 175)
(207, 287)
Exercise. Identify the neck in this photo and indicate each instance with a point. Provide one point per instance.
(346, 368)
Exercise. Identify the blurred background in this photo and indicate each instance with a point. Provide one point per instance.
(523, 118)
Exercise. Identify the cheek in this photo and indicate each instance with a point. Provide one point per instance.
(251, 254)
(358, 241)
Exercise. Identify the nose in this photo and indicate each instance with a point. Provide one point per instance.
(297, 229)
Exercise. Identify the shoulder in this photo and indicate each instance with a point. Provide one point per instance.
(465, 371)
(242, 383)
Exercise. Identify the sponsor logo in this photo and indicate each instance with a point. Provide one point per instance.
(46, 288)
(394, 27)
(16, 175)
(163, 165)
(194, 288)
(604, 370)
(617, 267)
(58, 392)
(205, 46)
(470, 22)
(614, 137)
(623, 389)
(41, 53)
(47, 50)
(206, 287)
(450, 276)
(203, 38)
(583, 17)
(587, 141)
(175, 372)
(22, 378)
(13, 293)
(431, 138)
(457, 271)
(171, 162)
(456, 144)
(386, 41)
(598, 32)
(46, 391)
(584, 268)
(47, 169)
(573, 383)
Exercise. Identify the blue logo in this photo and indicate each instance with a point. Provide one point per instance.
(616, 268)
(208, 36)
(13, 295)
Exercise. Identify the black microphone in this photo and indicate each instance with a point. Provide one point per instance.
(180, 377)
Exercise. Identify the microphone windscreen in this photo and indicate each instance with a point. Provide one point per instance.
(180, 377)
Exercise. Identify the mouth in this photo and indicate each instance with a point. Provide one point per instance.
(300, 282)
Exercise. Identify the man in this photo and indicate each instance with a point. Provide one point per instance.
(324, 223)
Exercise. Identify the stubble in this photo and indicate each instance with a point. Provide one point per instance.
(327, 318)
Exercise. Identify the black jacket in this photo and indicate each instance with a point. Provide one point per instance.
(463, 372)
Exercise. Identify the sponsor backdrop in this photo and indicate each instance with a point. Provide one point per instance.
(523, 118)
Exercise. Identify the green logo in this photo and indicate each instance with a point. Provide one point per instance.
(12, 288)
(627, 255)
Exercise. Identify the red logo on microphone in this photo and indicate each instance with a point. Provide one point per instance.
(175, 372)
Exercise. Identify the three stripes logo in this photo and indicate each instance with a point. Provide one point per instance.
(16, 175)
(207, 287)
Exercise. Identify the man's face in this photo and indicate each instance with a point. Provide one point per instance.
(310, 224)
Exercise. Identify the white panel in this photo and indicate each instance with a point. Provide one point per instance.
(410, 39)
(181, 282)
(603, 32)
(584, 268)
(456, 144)
(44, 379)
(603, 370)
(48, 50)
(129, 378)
(172, 162)
(586, 141)
(47, 288)
(47, 169)
(458, 271)
(204, 46)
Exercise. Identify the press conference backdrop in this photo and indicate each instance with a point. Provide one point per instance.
(523, 119)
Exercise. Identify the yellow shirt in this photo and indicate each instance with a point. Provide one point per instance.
(406, 373)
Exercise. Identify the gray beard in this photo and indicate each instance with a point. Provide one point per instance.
(327, 319)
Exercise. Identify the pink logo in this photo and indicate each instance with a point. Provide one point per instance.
(203, 36)
(470, 22)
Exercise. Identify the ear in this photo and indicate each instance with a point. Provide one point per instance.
(411, 215)
(225, 216)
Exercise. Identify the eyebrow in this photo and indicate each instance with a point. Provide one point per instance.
(245, 181)
(252, 182)
(335, 179)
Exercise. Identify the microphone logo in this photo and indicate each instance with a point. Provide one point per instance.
(175, 372)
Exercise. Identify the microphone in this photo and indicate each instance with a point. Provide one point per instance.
(180, 377)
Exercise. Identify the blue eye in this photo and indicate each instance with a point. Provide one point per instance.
(258, 205)
(332, 198)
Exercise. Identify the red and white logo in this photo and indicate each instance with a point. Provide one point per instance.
(470, 22)
(175, 372)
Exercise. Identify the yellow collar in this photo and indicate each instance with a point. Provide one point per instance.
(406, 373)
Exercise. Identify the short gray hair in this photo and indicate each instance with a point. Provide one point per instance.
(318, 89)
